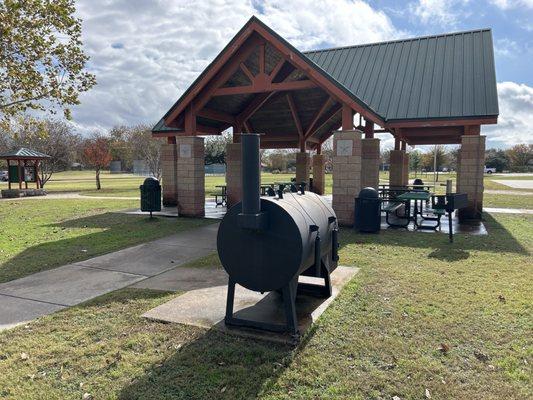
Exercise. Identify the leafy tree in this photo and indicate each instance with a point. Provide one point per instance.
(521, 157)
(97, 154)
(498, 159)
(215, 149)
(52, 137)
(121, 146)
(428, 159)
(415, 161)
(41, 58)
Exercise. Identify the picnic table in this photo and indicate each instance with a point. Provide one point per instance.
(223, 195)
(415, 196)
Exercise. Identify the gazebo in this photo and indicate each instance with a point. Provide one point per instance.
(426, 90)
(23, 167)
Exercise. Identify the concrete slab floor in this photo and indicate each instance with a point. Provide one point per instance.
(183, 279)
(205, 308)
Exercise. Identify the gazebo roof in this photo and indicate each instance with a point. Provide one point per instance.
(23, 153)
(425, 90)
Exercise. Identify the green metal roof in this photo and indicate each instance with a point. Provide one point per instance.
(449, 76)
(443, 76)
(22, 153)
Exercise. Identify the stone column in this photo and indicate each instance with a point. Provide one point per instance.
(233, 173)
(370, 163)
(302, 167)
(190, 182)
(346, 174)
(169, 161)
(397, 168)
(319, 174)
(470, 169)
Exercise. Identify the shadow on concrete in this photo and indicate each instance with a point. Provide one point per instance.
(215, 366)
(498, 239)
(117, 231)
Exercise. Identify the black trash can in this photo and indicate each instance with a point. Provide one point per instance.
(367, 211)
(150, 195)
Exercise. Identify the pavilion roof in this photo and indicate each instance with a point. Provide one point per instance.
(23, 153)
(441, 76)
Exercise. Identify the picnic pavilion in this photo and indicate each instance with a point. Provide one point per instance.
(423, 91)
(22, 167)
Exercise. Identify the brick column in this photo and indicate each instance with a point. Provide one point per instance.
(405, 168)
(346, 174)
(169, 162)
(233, 173)
(190, 176)
(370, 163)
(396, 168)
(470, 166)
(303, 160)
(319, 174)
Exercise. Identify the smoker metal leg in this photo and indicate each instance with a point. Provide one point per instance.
(230, 300)
(289, 301)
(450, 227)
(318, 290)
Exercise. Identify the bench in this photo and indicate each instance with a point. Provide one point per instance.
(392, 206)
(220, 198)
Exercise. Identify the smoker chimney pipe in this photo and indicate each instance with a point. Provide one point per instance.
(251, 216)
(251, 203)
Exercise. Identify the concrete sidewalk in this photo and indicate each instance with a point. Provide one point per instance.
(45, 292)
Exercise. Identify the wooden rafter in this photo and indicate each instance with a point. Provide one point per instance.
(262, 58)
(295, 116)
(276, 69)
(311, 128)
(216, 115)
(246, 71)
(327, 117)
(261, 87)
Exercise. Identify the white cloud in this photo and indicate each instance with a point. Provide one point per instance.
(146, 53)
(510, 4)
(516, 117)
(442, 12)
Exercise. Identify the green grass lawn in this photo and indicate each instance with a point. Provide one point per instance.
(454, 319)
(40, 234)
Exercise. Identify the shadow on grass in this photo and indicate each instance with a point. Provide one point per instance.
(499, 239)
(214, 366)
(117, 231)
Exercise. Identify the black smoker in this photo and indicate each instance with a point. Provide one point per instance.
(266, 243)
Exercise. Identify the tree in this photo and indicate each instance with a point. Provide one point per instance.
(498, 159)
(121, 146)
(428, 159)
(52, 137)
(41, 58)
(415, 161)
(215, 149)
(146, 148)
(521, 157)
(96, 153)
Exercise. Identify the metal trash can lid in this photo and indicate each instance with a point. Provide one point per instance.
(368, 193)
(151, 181)
(418, 182)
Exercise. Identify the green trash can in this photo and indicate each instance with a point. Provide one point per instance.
(150, 195)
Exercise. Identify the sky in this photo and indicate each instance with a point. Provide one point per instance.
(146, 53)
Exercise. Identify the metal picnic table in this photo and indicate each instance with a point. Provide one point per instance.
(416, 196)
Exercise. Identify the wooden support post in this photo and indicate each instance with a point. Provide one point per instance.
(8, 175)
(347, 118)
(25, 180)
(37, 182)
(403, 145)
(396, 143)
(19, 174)
(369, 129)
(171, 140)
(190, 121)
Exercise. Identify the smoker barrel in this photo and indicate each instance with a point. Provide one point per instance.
(266, 243)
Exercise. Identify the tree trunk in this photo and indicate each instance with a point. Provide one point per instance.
(98, 186)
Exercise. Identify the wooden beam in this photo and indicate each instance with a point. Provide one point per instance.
(295, 117)
(253, 106)
(369, 129)
(347, 117)
(216, 76)
(190, 121)
(210, 130)
(267, 87)
(311, 128)
(247, 72)
(247, 126)
(276, 69)
(326, 118)
(216, 115)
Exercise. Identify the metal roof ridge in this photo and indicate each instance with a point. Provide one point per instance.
(412, 39)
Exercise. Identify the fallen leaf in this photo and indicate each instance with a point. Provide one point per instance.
(427, 394)
(87, 396)
(443, 348)
(480, 356)
(396, 398)
(501, 298)
(24, 356)
(223, 389)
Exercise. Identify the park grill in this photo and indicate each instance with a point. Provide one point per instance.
(266, 243)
